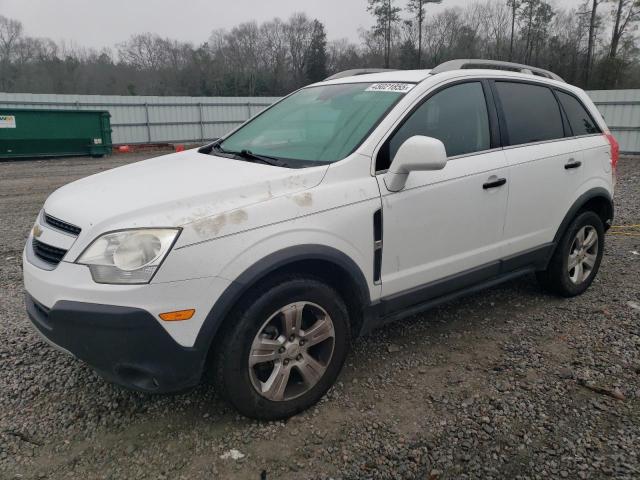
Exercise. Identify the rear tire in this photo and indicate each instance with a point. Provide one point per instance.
(282, 347)
(577, 257)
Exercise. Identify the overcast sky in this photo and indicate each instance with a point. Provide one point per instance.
(98, 23)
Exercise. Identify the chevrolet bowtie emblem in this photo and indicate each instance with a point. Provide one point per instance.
(37, 231)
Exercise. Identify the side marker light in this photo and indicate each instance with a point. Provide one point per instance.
(178, 315)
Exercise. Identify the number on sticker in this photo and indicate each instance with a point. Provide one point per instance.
(390, 87)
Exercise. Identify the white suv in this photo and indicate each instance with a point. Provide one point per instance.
(352, 202)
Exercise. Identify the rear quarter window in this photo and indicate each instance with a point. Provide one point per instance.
(531, 112)
(581, 122)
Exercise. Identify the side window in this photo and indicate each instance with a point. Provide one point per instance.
(581, 122)
(457, 116)
(531, 112)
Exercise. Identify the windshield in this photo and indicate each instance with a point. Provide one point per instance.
(317, 124)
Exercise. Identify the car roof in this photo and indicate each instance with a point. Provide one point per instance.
(417, 76)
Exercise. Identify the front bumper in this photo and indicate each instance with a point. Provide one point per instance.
(70, 281)
(116, 329)
(125, 345)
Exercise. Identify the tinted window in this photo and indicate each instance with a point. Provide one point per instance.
(579, 119)
(531, 112)
(457, 116)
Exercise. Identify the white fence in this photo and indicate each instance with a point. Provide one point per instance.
(139, 120)
(621, 111)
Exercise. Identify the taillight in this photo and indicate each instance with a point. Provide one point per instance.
(615, 150)
(615, 155)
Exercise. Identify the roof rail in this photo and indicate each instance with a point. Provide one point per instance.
(496, 65)
(358, 71)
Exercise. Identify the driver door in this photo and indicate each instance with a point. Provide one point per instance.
(443, 230)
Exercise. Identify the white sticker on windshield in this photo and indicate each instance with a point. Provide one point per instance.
(390, 87)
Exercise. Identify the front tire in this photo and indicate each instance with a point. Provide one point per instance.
(282, 348)
(577, 257)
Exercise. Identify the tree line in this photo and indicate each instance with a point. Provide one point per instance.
(595, 45)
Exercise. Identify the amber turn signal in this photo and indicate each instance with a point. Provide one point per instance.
(177, 315)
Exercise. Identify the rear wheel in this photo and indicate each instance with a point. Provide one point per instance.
(284, 349)
(577, 258)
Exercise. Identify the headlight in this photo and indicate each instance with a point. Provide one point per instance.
(128, 256)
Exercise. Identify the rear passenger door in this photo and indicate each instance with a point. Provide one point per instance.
(545, 165)
(596, 150)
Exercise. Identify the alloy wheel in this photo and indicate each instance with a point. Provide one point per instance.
(583, 254)
(291, 351)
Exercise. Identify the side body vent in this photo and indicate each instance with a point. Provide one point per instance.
(377, 245)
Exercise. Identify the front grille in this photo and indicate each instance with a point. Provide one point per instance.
(48, 253)
(60, 225)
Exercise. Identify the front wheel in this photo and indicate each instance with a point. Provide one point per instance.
(577, 257)
(283, 349)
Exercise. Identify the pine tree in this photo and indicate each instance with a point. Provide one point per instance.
(387, 16)
(416, 7)
(317, 57)
(513, 5)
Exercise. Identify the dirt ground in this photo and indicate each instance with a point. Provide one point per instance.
(508, 383)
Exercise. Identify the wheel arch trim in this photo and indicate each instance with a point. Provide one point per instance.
(270, 264)
(591, 194)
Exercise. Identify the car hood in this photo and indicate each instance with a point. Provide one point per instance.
(173, 190)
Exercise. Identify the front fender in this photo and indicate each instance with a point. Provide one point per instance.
(270, 264)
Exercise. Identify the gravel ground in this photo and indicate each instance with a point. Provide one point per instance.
(508, 383)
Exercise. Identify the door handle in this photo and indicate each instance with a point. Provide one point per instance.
(494, 183)
(572, 164)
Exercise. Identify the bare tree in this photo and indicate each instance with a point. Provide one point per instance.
(299, 33)
(496, 22)
(591, 39)
(343, 55)
(626, 13)
(274, 52)
(514, 5)
(445, 28)
(416, 8)
(565, 40)
(278, 56)
(243, 53)
(10, 35)
(144, 51)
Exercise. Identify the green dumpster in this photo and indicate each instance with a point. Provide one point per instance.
(52, 133)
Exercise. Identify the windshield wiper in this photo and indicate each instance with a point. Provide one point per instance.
(249, 155)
